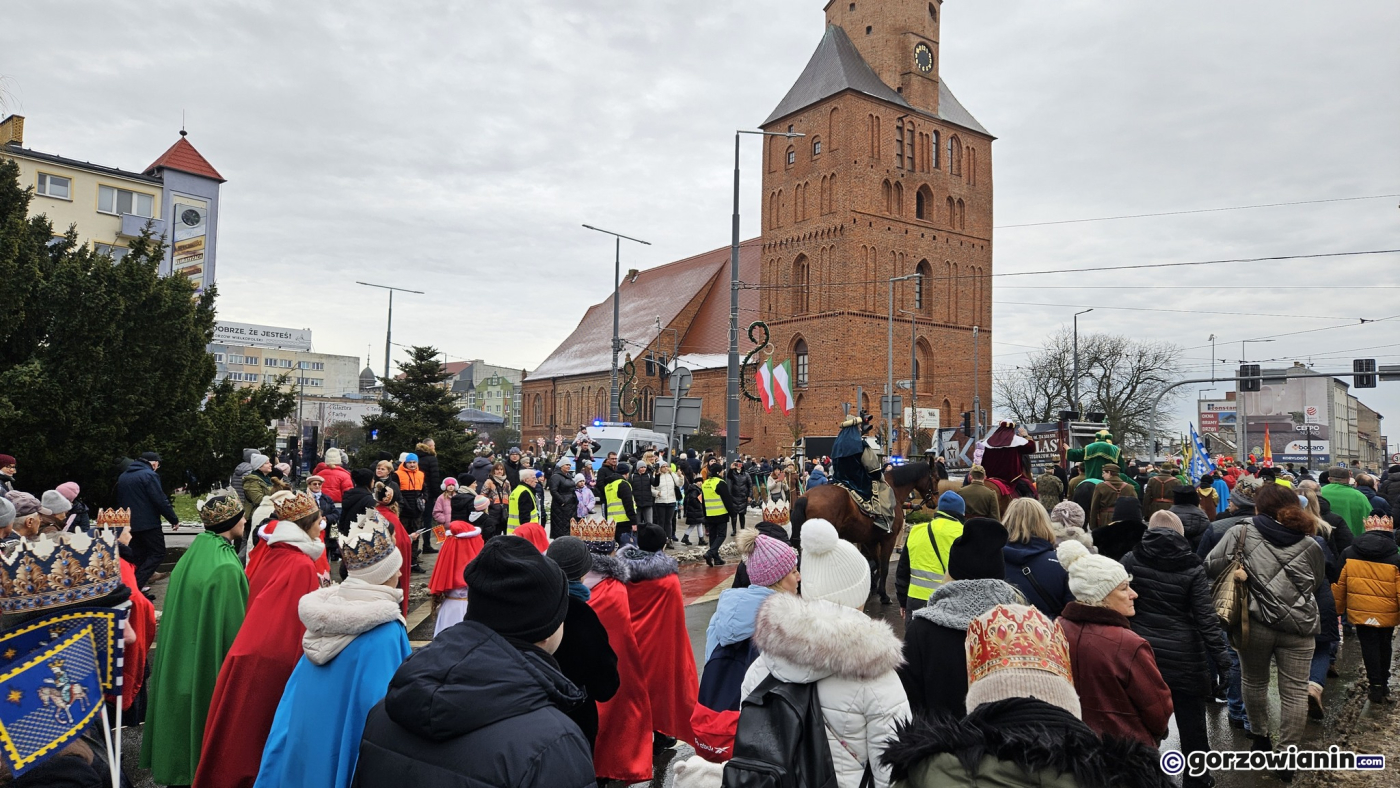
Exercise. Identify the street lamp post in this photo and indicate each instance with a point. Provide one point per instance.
(1075, 406)
(914, 372)
(1241, 414)
(888, 408)
(731, 426)
(388, 331)
(617, 314)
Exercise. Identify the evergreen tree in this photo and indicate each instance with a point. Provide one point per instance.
(101, 360)
(416, 406)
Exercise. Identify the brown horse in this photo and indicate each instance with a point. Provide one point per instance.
(834, 504)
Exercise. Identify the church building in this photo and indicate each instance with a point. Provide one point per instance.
(892, 178)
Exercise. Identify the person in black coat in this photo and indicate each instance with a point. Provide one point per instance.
(432, 487)
(357, 500)
(1123, 533)
(563, 498)
(585, 655)
(740, 491)
(485, 703)
(1032, 566)
(643, 497)
(1176, 614)
(139, 489)
(1186, 505)
(513, 466)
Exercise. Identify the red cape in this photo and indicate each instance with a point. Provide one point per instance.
(142, 620)
(452, 560)
(256, 670)
(258, 551)
(405, 546)
(658, 621)
(624, 723)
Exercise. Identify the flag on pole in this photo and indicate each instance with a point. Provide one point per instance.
(1268, 460)
(763, 376)
(1200, 463)
(782, 386)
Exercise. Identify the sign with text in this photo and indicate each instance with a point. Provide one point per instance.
(353, 412)
(188, 253)
(249, 335)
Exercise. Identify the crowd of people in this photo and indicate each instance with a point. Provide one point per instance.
(1049, 638)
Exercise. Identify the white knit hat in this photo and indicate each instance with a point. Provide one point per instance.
(1091, 577)
(832, 568)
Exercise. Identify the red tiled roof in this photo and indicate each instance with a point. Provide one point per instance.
(183, 157)
(663, 291)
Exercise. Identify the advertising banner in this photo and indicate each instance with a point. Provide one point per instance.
(250, 335)
(353, 412)
(191, 221)
(1294, 415)
(1216, 415)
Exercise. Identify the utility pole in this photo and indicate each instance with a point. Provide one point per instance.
(389, 331)
(889, 376)
(1075, 406)
(976, 386)
(731, 410)
(617, 313)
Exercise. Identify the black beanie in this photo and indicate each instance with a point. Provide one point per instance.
(1186, 495)
(361, 477)
(571, 554)
(515, 590)
(774, 531)
(976, 555)
(652, 539)
(1127, 509)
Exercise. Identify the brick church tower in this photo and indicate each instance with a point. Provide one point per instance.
(893, 177)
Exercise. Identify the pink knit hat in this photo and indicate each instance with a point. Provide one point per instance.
(769, 561)
(68, 490)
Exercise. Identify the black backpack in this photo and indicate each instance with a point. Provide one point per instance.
(781, 740)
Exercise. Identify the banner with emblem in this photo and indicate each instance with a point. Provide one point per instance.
(1199, 463)
(49, 696)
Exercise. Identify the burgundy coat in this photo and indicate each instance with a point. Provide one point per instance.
(1120, 689)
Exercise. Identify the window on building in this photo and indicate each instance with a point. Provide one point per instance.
(54, 186)
(801, 280)
(119, 201)
(254, 360)
(114, 252)
(923, 285)
(899, 144)
(791, 156)
(935, 150)
(799, 353)
(218, 358)
(816, 147)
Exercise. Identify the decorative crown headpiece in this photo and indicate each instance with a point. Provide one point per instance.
(371, 540)
(1018, 638)
(294, 507)
(776, 512)
(58, 569)
(599, 535)
(113, 518)
(220, 510)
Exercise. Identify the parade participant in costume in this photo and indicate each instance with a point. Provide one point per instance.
(355, 640)
(658, 621)
(447, 585)
(1106, 495)
(624, 723)
(855, 465)
(1096, 455)
(1006, 456)
(388, 509)
(533, 533)
(258, 549)
(204, 608)
(141, 620)
(1157, 494)
(584, 655)
(266, 650)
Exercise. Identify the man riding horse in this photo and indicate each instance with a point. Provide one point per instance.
(1006, 456)
(855, 465)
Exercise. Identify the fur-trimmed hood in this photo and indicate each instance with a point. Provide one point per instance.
(956, 603)
(334, 616)
(605, 567)
(804, 641)
(1029, 735)
(424, 448)
(642, 565)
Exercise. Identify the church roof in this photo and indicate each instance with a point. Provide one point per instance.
(183, 157)
(664, 291)
(837, 65)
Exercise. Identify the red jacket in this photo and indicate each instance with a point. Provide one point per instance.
(1121, 692)
(337, 481)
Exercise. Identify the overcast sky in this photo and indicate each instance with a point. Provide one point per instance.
(456, 148)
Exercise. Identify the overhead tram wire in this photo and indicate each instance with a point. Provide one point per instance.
(1196, 210)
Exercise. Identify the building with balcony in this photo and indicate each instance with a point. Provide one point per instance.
(176, 197)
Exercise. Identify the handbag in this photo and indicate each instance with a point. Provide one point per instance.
(1230, 592)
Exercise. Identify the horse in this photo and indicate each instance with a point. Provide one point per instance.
(834, 503)
(54, 696)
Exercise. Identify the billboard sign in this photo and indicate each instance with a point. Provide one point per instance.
(191, 230)
(1215, 415)
(1294, 412)
(353, 412)
(250, 335)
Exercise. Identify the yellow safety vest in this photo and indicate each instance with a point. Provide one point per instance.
(714, 504)
(615, 510)
(928, 568)
(513, 517)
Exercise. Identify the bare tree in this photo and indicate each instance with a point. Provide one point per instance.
(1118, 376)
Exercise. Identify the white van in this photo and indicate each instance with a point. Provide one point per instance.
(622, 438)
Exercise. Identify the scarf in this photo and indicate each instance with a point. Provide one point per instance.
(579, 591)
(335, 616)
(288, 532)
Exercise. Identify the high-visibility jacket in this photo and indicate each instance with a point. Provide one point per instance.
(409, 481)
(928, 547)
(714, 502)
(615, 510)
(513, 516)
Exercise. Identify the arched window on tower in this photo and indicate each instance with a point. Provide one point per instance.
(800, 363)
(952, 213)
(538, 411)
(945, 415)
(954, 155)
(899, 144)
(568, 407)
(923, 361)
(932, 12)
(923, 203)
(801, 281)
(816, 147)
(971, 166)
(923, 288)
(887, 191)
(962, 214)
(833, 129)
(600, 404)
(898, 199)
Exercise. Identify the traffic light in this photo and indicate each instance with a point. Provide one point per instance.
(1248, 371)
(967, 423)
(1365, 369)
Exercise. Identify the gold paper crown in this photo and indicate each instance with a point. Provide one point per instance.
(594, 531)
(1016, 637)
(294, 507)
(371, 540)
(777, 513)
(219, 507)
(113, 518)
(58, 569)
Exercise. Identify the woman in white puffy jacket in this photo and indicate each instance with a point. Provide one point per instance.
(823, 637)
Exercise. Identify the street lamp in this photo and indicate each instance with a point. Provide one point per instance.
(888, 405)
(731, 429)
(913, 379)
(617, 282)
(1241, 414)
(1076, 404)
(389, 331)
